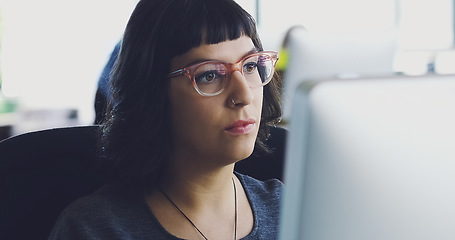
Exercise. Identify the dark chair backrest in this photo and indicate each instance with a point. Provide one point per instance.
(42, 172)
(266, 166)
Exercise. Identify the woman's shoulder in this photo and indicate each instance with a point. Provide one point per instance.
(271, 187)
(104, 204)
(265, 199)
(263, 194)
(105, 200)
(105, 214)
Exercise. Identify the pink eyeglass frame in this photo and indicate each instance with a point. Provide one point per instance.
(190, 70)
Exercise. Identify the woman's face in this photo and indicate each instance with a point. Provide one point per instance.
(214, 128)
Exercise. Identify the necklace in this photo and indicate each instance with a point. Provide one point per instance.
(194, 225)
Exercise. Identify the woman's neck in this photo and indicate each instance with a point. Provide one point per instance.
(198, 185)
(209, 198)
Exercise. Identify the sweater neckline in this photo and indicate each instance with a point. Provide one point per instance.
(250, 235)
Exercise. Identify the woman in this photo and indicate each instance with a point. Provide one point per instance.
(193, 93)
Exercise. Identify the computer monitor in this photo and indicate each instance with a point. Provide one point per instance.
(371, 159)
(336, 55)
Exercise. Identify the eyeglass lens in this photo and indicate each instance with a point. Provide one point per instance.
(213, 77)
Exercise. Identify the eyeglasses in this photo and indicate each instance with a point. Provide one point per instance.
(210, 78)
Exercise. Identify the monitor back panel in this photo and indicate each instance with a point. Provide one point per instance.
(371, 159)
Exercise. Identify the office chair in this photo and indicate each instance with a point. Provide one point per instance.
(42, 172)
(266, 166)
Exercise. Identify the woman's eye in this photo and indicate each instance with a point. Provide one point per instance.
(207, 77)
(250, 67)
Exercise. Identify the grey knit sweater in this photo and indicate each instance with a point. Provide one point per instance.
(111, 214)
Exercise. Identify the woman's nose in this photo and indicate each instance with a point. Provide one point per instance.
(240, 92)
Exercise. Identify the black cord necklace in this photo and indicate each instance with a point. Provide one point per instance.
(194, 225)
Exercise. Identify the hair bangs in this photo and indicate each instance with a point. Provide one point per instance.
(228, 22)
(207, 22)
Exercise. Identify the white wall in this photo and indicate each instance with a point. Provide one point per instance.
(426, 24)
(53, 50)
(276, 17)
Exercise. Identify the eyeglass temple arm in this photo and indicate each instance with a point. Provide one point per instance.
(177, 73)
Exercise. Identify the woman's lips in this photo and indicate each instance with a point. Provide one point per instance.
(241, 127)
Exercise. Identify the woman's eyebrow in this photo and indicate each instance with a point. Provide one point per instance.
(200, 60)
(253, 50)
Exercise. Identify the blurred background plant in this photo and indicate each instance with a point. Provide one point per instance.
(0, 48)
(6, 105)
